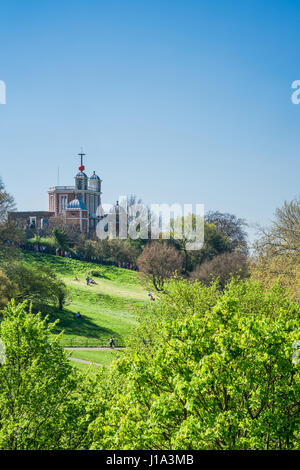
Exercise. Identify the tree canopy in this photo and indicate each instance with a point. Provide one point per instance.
(216, 373)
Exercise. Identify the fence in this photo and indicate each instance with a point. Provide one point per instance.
(85, 342)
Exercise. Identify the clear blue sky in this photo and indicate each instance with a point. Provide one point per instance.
(175, 101)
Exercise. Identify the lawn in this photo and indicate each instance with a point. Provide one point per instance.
(100, 357)
(108, 308)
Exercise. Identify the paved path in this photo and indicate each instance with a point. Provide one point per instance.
(83, 361)
(93, 349)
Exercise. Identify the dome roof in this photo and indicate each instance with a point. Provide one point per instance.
(77, 204)
(94, 177)
(81, 175)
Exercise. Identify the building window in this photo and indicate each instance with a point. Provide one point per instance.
(32, 222)
(63, 202)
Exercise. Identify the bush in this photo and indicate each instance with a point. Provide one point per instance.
(43, 402)
(95, 272)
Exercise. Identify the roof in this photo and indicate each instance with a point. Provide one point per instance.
(94, 177)
(81, 174)
(77, 204)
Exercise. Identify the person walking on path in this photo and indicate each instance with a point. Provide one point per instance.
(87, 280)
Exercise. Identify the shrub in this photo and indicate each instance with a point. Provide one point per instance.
(95, 272)
(43, 402)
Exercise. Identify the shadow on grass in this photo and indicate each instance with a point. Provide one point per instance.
(80, 327)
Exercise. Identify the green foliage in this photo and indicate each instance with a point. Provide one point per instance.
(48, 242)
(96, 272)
(216, 373)
(38, 285)
(7, 289)
(44, 404)
(215, 243)
(60, 238)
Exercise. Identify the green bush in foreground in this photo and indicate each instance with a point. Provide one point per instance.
(44, 404)
(217, 373)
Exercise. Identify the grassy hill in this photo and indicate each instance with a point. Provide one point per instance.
(108, 308)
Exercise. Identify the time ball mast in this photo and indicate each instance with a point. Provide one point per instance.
(81, 166)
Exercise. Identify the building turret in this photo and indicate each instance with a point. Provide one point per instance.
(95, 183)
(81, 179)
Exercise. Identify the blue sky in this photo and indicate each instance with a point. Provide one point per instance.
(175, 101)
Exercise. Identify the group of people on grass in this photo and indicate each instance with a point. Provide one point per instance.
(89, 281)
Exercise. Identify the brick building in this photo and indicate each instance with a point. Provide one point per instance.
(78, 203)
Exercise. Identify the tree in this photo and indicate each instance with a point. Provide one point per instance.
(283, 236)
(159, 261)
(230, 226)
(38, 285)
(222, 267)
(7, 203)
(60, 238)
(44, 403)
(7, 289)
(277, 251)
(214, 242)
(217, 373)
(10, 235)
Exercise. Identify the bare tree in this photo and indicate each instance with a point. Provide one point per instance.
(283, 236)
(7, 203)
(160, 261)
(277, 251)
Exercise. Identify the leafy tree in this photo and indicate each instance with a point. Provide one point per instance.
(232, 227)
(215, 242)
(44, 404)
(159, 261)
(216, 373)
(60, 238)
(7, 289)
(222, 267)
(285, 267)
(38, 285)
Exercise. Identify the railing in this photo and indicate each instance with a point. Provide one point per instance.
(84, 342)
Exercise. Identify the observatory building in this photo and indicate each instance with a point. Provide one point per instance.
(78, 204)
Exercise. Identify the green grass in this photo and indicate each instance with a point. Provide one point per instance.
(108, 308)
(85, 367)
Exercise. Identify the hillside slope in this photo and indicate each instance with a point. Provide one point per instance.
(108, 307)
